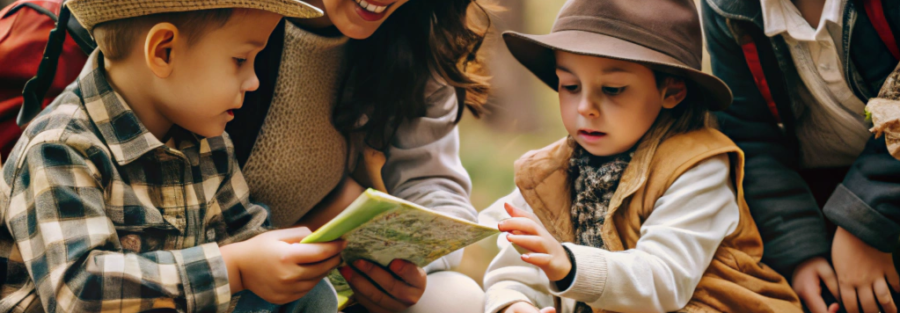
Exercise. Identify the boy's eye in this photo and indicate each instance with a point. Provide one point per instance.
(612, 91)
(570, 88)
(240, 61)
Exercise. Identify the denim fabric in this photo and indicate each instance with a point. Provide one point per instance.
(322, 299)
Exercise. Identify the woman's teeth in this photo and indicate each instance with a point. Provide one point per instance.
(371, 7)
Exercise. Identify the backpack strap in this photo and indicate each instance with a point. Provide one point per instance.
(875, 12)
(36, 88)
(767, 74)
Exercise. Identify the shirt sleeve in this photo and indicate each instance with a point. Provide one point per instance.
(243, 219)
(70, 247)
(509, 279)
(678, 241)
(423, 164)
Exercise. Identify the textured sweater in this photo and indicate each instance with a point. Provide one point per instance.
(299, 157)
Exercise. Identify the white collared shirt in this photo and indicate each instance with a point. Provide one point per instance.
(834, 132)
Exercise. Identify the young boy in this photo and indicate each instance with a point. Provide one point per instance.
(125, 195)
(640, 208)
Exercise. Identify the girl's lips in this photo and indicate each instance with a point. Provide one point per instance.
(370, 11)
(231, 113)
(591, 136)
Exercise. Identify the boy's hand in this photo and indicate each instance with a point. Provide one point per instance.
(381, 291)
(525, 307)
(526, 231)
(807, 280)
(863, 273)
(277, 267)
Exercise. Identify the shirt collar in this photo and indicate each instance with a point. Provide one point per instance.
(781, 16)
(123, 132)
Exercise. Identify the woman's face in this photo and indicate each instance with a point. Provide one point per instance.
(358, 19)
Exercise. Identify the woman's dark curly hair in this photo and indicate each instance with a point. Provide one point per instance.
(421, 40)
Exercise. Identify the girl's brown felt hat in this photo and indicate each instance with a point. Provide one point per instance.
(664, 35)
(92, 12)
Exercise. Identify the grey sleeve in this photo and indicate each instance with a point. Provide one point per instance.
(423, 164)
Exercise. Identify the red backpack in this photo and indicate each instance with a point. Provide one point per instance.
(25, 26)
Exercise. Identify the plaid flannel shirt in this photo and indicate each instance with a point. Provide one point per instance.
(99, 215)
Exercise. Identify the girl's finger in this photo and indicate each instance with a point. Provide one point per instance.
(537, 259)
(893, 280)
(548, 310)
(517, 212)
(523, 225)
(883, 294)
(530, 243)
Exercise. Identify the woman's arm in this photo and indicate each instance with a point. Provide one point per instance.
(331, 206)
(423, 164)
(678, 241)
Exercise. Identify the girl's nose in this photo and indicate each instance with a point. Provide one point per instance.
(588, 108)
(251, 84)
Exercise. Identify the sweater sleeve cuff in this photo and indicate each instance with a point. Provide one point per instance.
(590, 274)
(499, 297)
(850, 212)
(204, 278)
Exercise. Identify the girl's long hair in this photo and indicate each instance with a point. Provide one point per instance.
(422, 40)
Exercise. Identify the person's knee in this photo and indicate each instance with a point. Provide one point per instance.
(448, 291)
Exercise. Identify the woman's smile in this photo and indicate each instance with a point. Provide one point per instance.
(371, 10)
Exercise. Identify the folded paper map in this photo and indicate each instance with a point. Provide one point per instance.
(380, 228)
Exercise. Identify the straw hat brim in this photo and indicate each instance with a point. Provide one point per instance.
(92, 12)
(535, 52)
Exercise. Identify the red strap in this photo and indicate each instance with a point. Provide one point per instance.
(759, 77)
(875, 11)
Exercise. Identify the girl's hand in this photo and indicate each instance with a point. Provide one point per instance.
(277, 267)
(525, 307)
(526, 231)
(864, 274)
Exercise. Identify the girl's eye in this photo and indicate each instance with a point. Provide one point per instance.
(571, 88)
(612, 91)
(240, 61)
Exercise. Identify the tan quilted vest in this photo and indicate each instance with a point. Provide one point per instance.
(735, 281)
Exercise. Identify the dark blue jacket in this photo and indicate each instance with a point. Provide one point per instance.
(789, 220)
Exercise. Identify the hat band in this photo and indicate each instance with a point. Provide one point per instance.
(628, 32)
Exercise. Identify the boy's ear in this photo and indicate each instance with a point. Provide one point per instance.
(674, 91)
(158, 48)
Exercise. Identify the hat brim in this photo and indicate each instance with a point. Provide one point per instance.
(92, 12)
(535, 52)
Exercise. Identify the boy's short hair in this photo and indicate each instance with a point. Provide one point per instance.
(116, 38)
(691, 114)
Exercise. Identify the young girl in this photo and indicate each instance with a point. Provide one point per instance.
(645, 195)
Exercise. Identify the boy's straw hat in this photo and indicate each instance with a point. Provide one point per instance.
(662, 34)
(93, 12)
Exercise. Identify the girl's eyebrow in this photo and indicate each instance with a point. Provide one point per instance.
(614, 69)
(562, 68)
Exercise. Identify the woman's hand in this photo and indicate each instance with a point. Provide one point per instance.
(527, 232)
(525, 307)
(807, 280)
(864, 274)
(366, 277)
(277, 267)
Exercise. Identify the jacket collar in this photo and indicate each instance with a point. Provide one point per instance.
(120, 128)
(537, 166)
(748, 10)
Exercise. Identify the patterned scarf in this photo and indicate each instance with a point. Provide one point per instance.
(595, 182)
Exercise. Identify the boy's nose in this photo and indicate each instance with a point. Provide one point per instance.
(251, 84)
